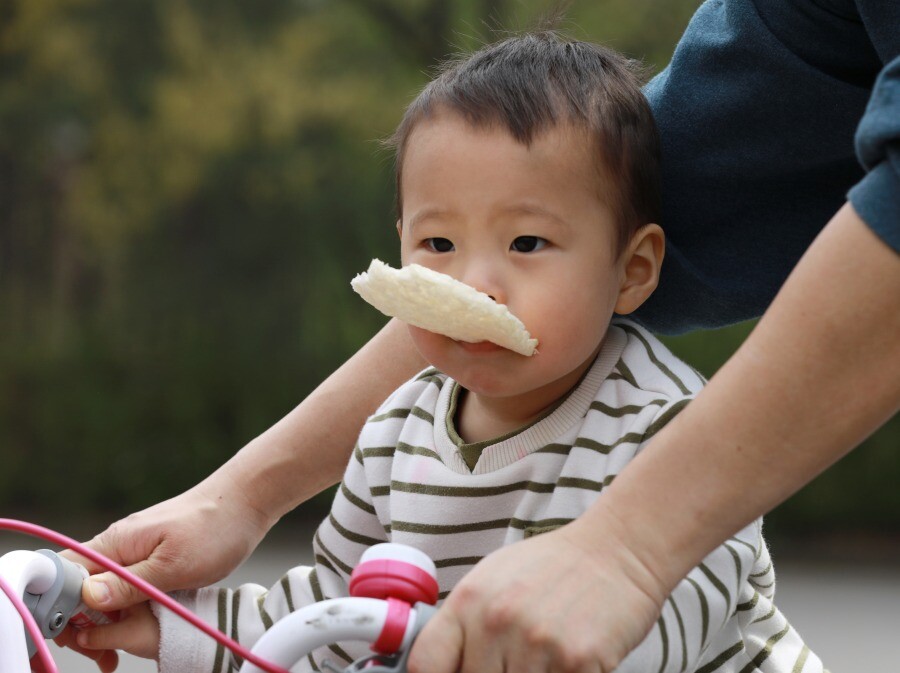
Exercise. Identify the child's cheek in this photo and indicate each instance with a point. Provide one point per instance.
(431, 346)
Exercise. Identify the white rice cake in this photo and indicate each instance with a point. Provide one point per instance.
(438, 303)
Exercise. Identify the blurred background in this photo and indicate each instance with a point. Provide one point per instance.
(187, 188)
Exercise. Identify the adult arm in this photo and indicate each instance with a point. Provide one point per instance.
(820, 372)
(169, 544)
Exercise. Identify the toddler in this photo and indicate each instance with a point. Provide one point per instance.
(529, 171)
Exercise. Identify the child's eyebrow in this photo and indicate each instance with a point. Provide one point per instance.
(429, 213)
(534, 209)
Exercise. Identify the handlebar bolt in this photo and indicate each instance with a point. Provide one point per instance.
(57, 621)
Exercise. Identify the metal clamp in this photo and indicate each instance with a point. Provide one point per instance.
(53, 608)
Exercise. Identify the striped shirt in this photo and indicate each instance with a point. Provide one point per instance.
(412, 480)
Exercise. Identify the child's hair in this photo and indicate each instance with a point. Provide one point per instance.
(531, 83)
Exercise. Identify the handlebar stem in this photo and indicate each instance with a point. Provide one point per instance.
(24, 572)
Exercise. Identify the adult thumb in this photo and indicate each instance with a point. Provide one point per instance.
(108, 592)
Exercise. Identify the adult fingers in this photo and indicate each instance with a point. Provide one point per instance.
(107, 660)
(439, 647)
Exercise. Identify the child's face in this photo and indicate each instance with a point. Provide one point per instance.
(527, 226)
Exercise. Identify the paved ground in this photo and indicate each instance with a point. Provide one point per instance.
(849, 615)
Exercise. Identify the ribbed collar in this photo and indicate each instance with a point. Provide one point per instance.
(508, 449)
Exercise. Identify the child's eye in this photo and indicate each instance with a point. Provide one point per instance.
(439, 244)
(528, 243)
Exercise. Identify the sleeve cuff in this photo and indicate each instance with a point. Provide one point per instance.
(876, 199)
(181, 646)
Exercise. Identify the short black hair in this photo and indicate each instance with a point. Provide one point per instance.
(531, 83)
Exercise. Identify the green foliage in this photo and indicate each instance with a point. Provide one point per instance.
(186, 189)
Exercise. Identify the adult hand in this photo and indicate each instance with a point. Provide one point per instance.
(569, 600)
(175, 545)
(172, 545)
(107, 660)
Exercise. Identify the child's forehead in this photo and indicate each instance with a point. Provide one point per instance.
(461, 123)
(564, 140)
(563, 153)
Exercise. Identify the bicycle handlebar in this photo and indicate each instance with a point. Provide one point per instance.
(393, 590)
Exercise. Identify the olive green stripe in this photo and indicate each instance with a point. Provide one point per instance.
(436, 380)
(763, 586)
(749, 605)
(717, 583)
(357, 454)
(746, 544)
(312, 662)
(661, 623)
(737, 566)
(801, 660)
(437, 529)
(462, 561)
(634, 437)
(222, 605)
(265, 616)
(626, 373)
(340, 565)
(316, 586)
(352, 536)
(616, 376)
(393, 413)
(763, 573)
(593, 445)
(627, 410)
(769, 615)
(286, 588)
(336, 649)
(722, 658)
(379, 491)
(684, 654)
(378, 452)
(489, 491)
(418, 412)
(660, 422)
(324, 561)
(356, 500)
(559, 449)
(655, 360)
(471, 491)
(764, 653)
(235, 609)
(704, 612)
(402, 447)
(585, 484)
(429, 373)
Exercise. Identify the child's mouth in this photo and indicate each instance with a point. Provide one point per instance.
(480, 346)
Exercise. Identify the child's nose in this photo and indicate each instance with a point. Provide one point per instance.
(485, 277)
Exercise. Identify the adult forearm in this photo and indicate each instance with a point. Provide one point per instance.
(820, 372)
(308, 449)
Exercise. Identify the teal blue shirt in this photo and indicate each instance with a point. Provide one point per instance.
(772, 113)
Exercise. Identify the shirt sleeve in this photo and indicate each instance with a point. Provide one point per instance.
(246, 612)
(757, 112)
(699, 608)
(876, 197)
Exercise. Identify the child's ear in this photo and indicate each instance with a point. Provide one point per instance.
(641, 262)
(400, 228)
